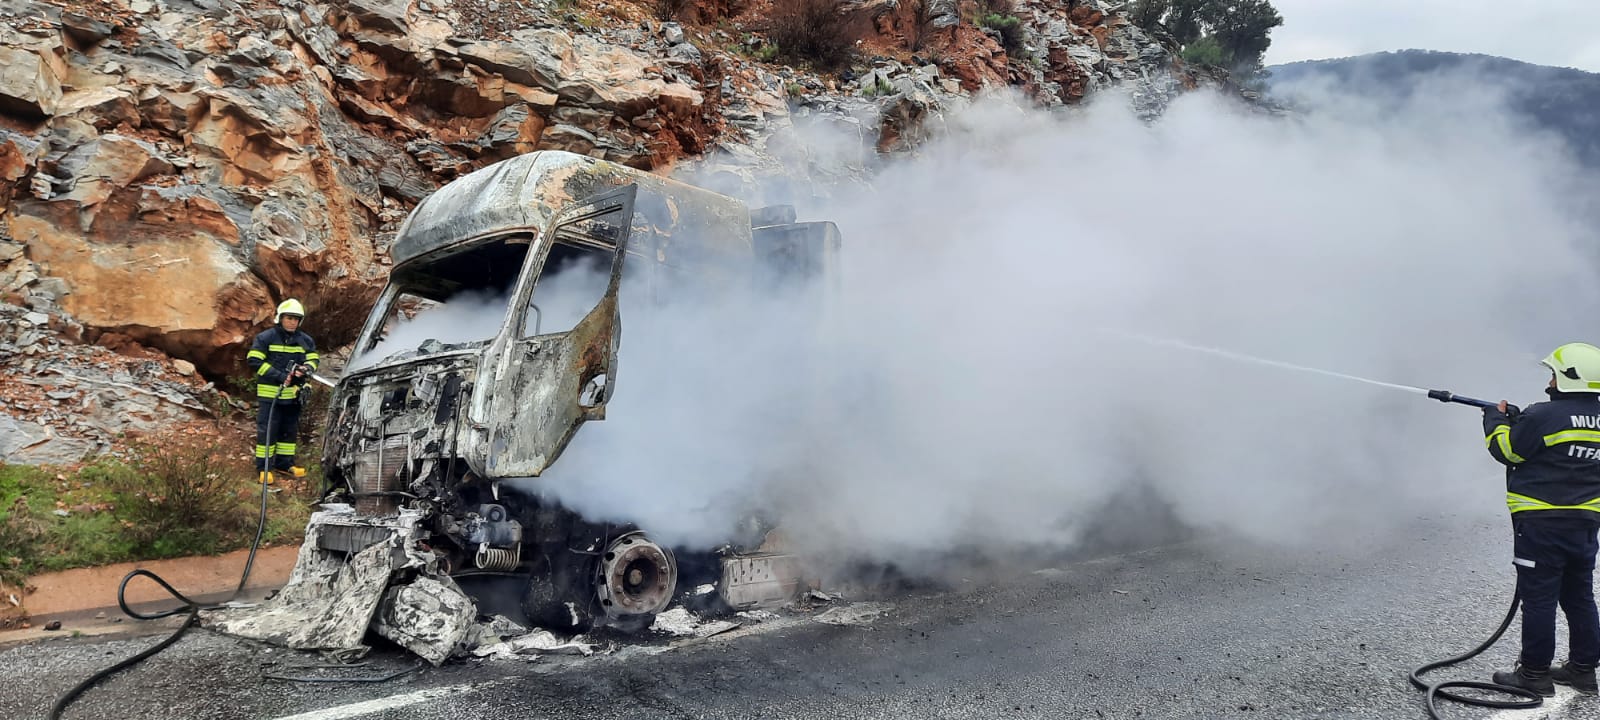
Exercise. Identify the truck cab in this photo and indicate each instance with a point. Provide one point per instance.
(497, 338)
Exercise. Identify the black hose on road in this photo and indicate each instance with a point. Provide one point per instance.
(189, 606)
(1435, 691)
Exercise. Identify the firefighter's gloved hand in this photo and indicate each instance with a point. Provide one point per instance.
(1511, 412)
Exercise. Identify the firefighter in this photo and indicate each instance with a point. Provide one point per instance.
(282, 358)
(1552, 456)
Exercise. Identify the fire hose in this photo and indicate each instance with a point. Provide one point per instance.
(1528, 698)
(191, 607)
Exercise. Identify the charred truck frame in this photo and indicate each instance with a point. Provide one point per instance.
(420, 437)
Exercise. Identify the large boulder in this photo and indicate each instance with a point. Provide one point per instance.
(29, 87)
(539, 58)
(163, 274)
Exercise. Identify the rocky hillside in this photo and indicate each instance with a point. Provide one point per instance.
(169, 169)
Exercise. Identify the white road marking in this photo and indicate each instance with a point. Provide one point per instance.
(1550, 709)
(367, 707)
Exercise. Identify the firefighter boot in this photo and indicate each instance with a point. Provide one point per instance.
(1580, 677)
(1522, 676)
(270, 481)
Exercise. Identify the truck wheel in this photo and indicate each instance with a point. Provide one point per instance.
(636, 579)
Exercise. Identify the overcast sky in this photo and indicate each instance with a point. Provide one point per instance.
(1547, 32)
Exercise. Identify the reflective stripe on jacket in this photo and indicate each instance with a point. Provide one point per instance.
(1552, 455)
(275, 352)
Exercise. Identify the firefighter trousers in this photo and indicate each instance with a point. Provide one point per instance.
(1555, 560)
(275, 442)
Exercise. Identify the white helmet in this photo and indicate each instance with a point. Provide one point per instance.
(1577, 367)
(289, 307)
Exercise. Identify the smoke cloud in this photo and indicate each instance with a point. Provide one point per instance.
(970, 386)
(570, 286)
(467, 317)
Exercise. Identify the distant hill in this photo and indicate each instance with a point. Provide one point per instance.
(1562, 100)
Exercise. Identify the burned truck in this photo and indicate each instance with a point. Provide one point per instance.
(495, 340)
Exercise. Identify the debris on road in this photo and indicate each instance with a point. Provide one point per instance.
(529, 646)
(679, 621)
(428, 617)
(857, 614)
(328, 602)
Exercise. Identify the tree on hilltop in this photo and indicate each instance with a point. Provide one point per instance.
(1230, 33)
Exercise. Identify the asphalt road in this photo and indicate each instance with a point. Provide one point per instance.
(1214, 628)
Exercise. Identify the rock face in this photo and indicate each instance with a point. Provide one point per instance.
(176, 168)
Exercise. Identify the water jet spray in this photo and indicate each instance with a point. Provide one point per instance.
(1440, 395)
(1523, 699)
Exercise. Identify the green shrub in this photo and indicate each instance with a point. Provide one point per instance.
(819, 32)
(168, 501)
(183, 500)
(1009, 27)
(21, 537)
(1205, 51)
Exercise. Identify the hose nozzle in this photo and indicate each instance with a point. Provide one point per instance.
(1450, 397)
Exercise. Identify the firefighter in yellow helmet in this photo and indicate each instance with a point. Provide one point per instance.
(282, 358)
(1552, 456)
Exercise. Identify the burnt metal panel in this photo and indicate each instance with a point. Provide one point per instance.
(760, 580)
(798, 251)
(538, 407)
(523, 193)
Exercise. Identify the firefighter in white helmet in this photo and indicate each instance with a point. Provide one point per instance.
(1552, 456)
(282, 358)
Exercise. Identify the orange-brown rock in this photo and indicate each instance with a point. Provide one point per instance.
(1086, 16)
(163, 288)
(973, 58)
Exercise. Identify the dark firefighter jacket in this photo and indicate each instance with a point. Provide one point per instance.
(275, 353)
(1552, 456)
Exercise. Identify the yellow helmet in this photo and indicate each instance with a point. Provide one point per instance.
(1577, 367)
(290, 307)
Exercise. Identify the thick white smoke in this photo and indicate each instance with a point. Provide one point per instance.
(569, 288)
(963, 390)
(468, 317)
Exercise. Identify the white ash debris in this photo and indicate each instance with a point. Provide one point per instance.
(430, 617)
(531, 645)
(327, 604)
(855, 614)
(682, 623)
(496, 629)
